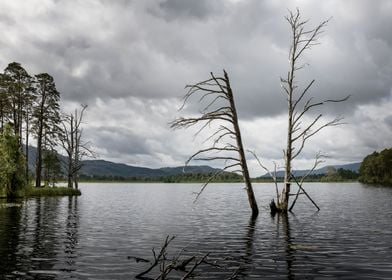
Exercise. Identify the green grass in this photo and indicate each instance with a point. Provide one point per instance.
(54, 191)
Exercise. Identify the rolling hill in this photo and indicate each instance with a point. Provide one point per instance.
(111, 169)
(93, 168)
(323, 170)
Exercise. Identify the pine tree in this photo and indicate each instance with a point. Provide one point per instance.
(46, 118)
(18, 87)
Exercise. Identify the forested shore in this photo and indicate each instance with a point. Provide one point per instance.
(30, 112)
(376, 168)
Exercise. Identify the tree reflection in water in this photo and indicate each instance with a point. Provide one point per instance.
(284, 220)
(36, 237)
(71, 240)
(283, 232)
(10, 216)
(246, 265)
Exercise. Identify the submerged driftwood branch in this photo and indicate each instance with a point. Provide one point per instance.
(163, 265)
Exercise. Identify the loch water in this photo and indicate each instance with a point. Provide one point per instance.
(95, 236)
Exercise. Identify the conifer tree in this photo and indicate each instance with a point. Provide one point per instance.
(46, 118)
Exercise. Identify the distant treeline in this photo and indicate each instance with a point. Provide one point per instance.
(376, 168)
(339, 175)
(180, 178)
(333, 175)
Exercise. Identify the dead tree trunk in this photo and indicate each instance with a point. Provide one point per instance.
(38, 165)
(299, 130)
(77, 165)
(220, 107)
(241, 153)
(27, 146)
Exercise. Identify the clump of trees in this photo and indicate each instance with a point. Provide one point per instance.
(12, 161)
(376, 168)
(30, 107)
(339, 175)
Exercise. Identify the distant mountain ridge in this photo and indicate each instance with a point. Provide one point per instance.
(111, 169)
(323, 170)
(106, 168)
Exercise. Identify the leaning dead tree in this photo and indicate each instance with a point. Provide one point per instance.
(226, 146)
(299, 103)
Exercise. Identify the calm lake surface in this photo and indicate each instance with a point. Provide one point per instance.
(92, 236)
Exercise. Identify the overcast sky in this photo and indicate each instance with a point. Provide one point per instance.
(130, 60)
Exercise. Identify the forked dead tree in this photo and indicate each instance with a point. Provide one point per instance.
(299, 104)
(226, 140)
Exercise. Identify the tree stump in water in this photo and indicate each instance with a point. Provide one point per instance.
(273, 207)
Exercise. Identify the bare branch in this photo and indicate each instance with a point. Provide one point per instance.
(268, 171)
(206, 184)
(197, 263)
(302, 94)
(217, 158)
(338, 100)
(209, 150)
(318, 160)
(222, 128)
(212, 178)
(158, 258)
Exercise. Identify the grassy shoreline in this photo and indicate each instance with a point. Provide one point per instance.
(46, 191)
(51, 191)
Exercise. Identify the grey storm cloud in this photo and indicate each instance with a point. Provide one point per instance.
(133, 48)
(121, 141)
(187, 9)
(388, 121)
(149, 50)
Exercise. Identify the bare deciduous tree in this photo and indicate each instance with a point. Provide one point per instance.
(299, 130)
(72, 142)
(226, 138)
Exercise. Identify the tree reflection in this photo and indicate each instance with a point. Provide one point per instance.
(10, 215)
(39, 237)
(283, 227)
(45, 240)
(246, 266)
(72, 226)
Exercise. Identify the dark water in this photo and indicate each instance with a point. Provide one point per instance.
(91, 237)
